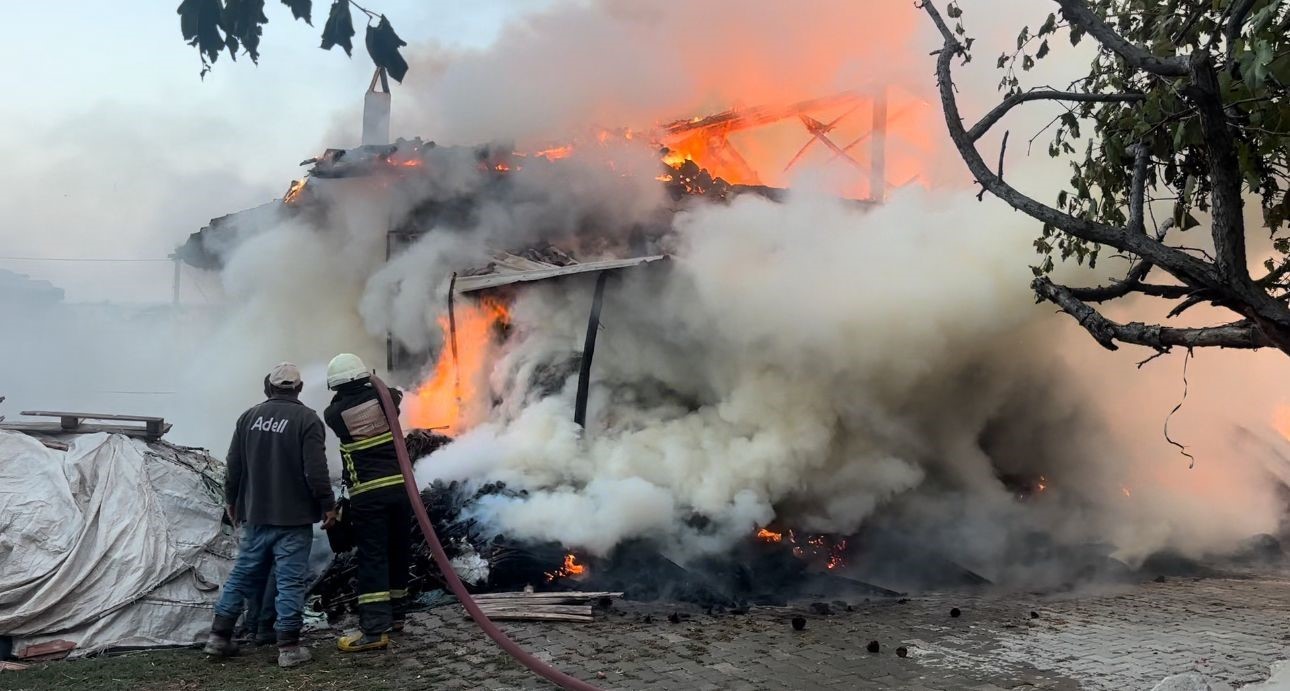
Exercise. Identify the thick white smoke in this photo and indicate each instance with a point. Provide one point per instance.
(811, 362)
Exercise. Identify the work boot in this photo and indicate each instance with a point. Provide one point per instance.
(398, 624)
(292, 655)
(220, 646)
(266, 638)
(361, 642)
(220, 643)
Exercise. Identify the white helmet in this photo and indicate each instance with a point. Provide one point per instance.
(345, 368)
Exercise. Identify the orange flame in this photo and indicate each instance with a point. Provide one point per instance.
(570, 569)
(555, 153)
(293, 192)
(452, 396)
(769, 535)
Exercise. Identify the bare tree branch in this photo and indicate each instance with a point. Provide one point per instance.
(978, 130)
(1186, 268)
(1241, 334)
(1240, 10)
(1077, 12)
(1138, 189)
(1228, 223)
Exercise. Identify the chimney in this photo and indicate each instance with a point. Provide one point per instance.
(376, 111)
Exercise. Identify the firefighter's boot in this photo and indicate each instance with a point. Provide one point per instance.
(361, 642)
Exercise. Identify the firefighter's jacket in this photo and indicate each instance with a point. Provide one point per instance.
(368, 459)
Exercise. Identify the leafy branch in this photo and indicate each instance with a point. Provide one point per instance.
(215, 26)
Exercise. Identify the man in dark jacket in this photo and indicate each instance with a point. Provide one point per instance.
(378, 504)
(276, 488)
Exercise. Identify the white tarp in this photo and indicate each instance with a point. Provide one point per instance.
(114, 542)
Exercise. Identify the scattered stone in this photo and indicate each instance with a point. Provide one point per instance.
(902, 651)
(821, 608)
(799, 623)
(955, 612)
(601, 675)
(1160, 579)
(873, 647)
(649, 619)
(1034, 614)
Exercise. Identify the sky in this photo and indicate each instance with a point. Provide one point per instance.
(114, 148)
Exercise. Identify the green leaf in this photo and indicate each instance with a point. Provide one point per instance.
(241, 21)
(383, 45)
(199, 22)
(339, 29)
(1050, 25)
(300, 9)
(1043, 50)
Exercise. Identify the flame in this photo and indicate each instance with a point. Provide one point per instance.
(769, 535)
(1042, 484)
(836, 552)
(293, 192)
(452, 397)
(501, 167)
(555, 153)
(570, 569)
(1126, 491)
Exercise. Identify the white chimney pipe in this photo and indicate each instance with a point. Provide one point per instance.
(376, 111)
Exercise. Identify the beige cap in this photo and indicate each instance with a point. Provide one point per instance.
(284, 375)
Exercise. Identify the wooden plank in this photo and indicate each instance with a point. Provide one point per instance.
(525, 602)
(57, 428)
(94, 416)
(529, 596)
(522, 616)
(584, 610)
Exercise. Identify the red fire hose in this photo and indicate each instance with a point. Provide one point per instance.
(538, 667)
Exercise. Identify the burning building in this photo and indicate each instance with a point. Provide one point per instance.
(648, 336)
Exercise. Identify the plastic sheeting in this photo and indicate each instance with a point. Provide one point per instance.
(113, 543)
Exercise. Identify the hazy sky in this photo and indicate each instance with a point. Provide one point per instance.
(112, 147)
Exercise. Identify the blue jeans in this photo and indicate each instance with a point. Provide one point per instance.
(261, 549)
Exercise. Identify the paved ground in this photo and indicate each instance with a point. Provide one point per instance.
(1231, 629)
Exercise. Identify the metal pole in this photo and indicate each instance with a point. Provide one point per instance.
(174, 284)
(589, 350)
(878, 155)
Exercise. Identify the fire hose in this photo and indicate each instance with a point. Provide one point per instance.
(512, 648)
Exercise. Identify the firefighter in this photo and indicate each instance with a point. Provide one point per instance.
(378, 504)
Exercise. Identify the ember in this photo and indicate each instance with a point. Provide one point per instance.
(570, 569)
(769, 536)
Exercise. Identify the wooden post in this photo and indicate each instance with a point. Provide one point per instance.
(589, 350)
(878, 152)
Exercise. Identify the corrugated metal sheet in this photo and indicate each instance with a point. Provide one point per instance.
(471, 284)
